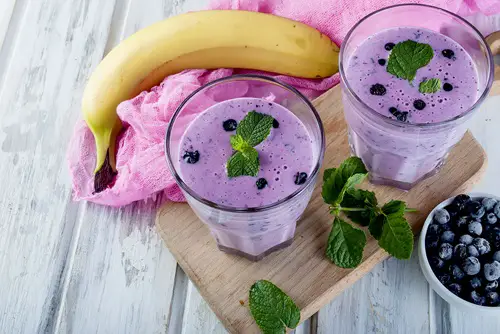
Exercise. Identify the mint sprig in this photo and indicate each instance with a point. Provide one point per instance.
(429, 86)
(250, 132)
(407, 57)
(386, 224)
(272, 309)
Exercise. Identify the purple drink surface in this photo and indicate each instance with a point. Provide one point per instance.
(287, 151)
(364, 70)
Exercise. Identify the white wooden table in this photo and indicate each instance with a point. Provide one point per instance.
(69, 267)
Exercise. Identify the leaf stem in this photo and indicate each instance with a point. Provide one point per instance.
(411, 210)
(353, 209)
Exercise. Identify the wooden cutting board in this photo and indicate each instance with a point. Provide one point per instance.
(302, 270)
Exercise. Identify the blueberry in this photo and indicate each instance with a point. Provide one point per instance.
(445, 227)
(489, 203)
(435, 262)
(491, 218)
(456, 273)
(493, 236)
(476, 298)
(475, 228)
(452, 209)
(448, 236)
(441, 216)
(431, 241)
(381, 62)
(401, 116)
(492, 298)
(455, 288)
(191, 157)
(460, 252)
(461, 223)
(466, 239)
(472, 251)
(492, 271)
(389, 46)
(447, 87)
(475, 283)
(496, 256)
(482, 245)
(230, 125)
(419, 104)
(276, 124)
(447, 53)
(496, 210)
(474, 209)
(300, 178)
(471, 266)
(444, 278)
(460, 201)
(491, 286)
(445, 251)
(433, 229)
(378, 89)
(261, 183)
(393, 110)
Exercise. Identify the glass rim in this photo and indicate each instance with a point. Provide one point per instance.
(211, 204)
(394, 122)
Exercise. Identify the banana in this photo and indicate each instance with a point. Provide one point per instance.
(206, 39)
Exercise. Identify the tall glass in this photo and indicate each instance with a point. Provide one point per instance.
(250, 232)
(402, 154)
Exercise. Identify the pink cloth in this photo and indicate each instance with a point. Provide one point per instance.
(142, 168)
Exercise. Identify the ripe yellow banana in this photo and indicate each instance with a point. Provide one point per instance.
(205, 39)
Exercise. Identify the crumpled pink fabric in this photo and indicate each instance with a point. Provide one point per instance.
(142, 169)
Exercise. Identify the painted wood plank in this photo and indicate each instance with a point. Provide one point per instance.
(43, 73)
(6, 10)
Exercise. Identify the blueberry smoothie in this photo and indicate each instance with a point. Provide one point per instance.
(404, 147)
(286, 160)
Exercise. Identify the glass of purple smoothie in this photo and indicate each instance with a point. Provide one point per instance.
(248, 216)
(402, 131)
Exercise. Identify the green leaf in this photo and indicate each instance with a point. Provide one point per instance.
(358, 198)
(272, 309)
(244, 163)
(397, 237)
(345, 244)
(376, 226)
(430, 86)
(255, 128)
(238, 143)
(351, 172)
(407, 57)
(327, 173)
(393, 207)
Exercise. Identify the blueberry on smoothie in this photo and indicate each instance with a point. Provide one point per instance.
(381, 62)
(230, 125)
(419, 104)
(300, 178)
(191, 157)
(389, 46)
(261, 183)
(378, 89)
(276, 124)
(447, 53)
(447, 87)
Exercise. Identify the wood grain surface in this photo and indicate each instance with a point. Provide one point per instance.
(302, 269)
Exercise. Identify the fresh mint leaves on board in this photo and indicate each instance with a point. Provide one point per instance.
(272, 309)
(430, 86)
(386, 224)
(407, 57)
(251, 131)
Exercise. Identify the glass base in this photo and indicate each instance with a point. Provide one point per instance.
(255, 258)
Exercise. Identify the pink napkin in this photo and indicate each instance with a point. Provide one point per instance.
(142, 169)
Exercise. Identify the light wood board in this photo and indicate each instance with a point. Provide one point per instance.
(302, 270)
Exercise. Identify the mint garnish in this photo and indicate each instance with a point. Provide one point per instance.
(386, 224)
(407, 57)
(272, 309)
(251, 131)
(430, 86)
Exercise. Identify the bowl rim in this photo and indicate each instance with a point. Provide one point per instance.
(429, 275)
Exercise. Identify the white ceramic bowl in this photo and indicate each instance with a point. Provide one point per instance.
(435, 284)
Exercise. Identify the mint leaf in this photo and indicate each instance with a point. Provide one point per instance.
(255, 128)
(327, 173)
(376, 226)
(397, 237)
(272, 309)
(351, 172)
(362, 199)
(429, 86)
(243, 163)
(238, 143)
(393, 207)
(407, 57)
(345, 244)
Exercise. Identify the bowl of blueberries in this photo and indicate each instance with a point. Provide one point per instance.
(459, 251)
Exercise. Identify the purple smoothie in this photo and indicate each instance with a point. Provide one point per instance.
(286, 152)
(394, 152)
